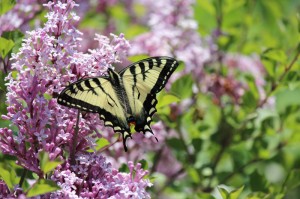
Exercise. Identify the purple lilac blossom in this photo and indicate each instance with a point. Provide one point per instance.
(248, 64)
(47, 61)
(95, 178)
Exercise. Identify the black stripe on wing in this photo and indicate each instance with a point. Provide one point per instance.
(168, 68)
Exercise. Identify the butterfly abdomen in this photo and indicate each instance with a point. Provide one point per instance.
(120, 91)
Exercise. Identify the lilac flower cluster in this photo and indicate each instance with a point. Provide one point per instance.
(48, 59)
(247, 64)
(95, 178)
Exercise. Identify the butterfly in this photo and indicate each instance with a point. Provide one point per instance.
(125, 99)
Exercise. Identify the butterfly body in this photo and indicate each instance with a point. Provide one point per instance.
(125, 98)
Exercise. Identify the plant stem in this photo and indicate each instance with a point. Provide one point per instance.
(274, 85)
(22, 177)
(74, 143)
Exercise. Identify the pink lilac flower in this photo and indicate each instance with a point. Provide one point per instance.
(95, 178)
(220, 86)
(248, 64)
(47, 61)
(4, 191)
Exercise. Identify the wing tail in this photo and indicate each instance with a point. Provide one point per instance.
(125, 135)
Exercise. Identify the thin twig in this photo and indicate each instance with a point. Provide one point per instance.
(274, 84)
(22, 177)
(75, 137)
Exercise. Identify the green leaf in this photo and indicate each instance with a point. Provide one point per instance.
(13, 35)
(5, 46)
(261, 195)
(193, 175)
(176, 144)
(197, 143)
(258, 195)
(100, 143)
(166, 99)
(228, 193)
(224, 193)
(47, 96)
(236, 193)
(16, 36)
(258, 182)
(136, 58)
(6, 5)
(298, 20)
(286, 98)
(42, 186)
(46, 164)
(275, 55)
(144, 164)
(205, 10)
(9, 176)
(204, 196)
(183, 87)
(124, 168)
(292, 180)
(251, 96)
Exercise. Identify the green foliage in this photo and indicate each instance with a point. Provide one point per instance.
(183, 87)
(16, 36)
(292, 180)
(8, 175)
(46, 164)
(5, 46)
(287, 98)
(234, 194)
(100, 143)
(42, 186)
(6, 5)
(166, 99)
